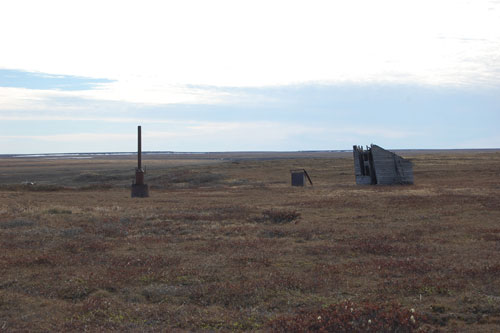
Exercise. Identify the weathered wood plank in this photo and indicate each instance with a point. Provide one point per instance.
(383, 167)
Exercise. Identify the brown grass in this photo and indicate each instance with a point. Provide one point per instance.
(230, 245)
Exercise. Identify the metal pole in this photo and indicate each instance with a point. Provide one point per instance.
(139, 148)
(139, 189)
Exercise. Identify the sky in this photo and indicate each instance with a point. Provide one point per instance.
(230, 75)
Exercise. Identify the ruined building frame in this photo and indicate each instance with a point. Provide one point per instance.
(377, 166)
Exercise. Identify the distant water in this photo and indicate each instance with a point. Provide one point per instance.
(57, 156)
(54, 156)
(91, 155)
(67, 155)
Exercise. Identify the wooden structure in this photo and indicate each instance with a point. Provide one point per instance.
(299, 177)
(377, 166)
(139, 189)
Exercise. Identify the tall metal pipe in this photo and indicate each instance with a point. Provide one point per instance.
(139, 189)
(139, 148)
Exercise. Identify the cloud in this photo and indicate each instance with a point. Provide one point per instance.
(74, 137)
(133, 92)
(35, 117)
(213, 136)
(292, 117)
(154, 91)
(257, 43)
(43, 81)
(376, 132)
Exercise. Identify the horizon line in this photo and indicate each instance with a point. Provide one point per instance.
(166, 152)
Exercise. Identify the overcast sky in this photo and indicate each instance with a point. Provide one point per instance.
(79, 76)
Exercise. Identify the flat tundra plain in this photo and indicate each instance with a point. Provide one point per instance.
(225, 243)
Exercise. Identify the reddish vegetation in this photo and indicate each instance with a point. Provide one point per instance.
(232, 246)
(350, 317)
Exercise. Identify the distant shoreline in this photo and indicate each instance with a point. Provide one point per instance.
(235, 154)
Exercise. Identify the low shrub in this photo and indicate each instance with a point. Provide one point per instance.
(59, 211)
(45, 188)
(350, 317)
(279, 216)
(109, 229)
(272, 234)
(18, 223)
(378, 245)
(188, 178)
(91, 177)
(157, 293)
(94, 187)
(71, 232)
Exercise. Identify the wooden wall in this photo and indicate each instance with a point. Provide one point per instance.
(361, 178)
(386, 168)
(391, 168)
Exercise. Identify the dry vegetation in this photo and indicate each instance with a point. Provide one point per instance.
(224, 245)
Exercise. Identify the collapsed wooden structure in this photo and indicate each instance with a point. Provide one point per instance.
(377, 166)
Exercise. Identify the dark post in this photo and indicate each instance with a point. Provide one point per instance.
(299, 176)
(139, 189)
(139, 148)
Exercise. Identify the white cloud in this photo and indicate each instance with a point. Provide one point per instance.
(74, 137)
(155, 48)
(153, 91)
(53, 117)
(177, 52)
(377, 132)
(202, 136)
(140, 92)
(21, 98)
(259, 135)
